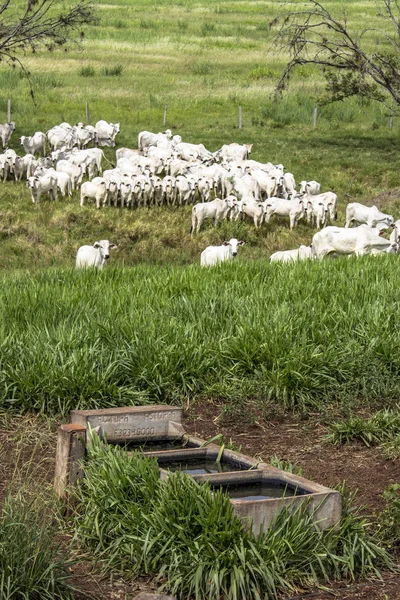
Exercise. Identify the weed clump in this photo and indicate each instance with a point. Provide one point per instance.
(32, 564)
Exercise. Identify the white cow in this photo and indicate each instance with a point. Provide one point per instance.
(94, 256)
(302, 253)
(75, 172)
(344, 241)
(213, 255)
(192, 152)
(34, 143)
(216, 209)
(288, 185)
(94, 190)
(294, 209)
(6, 130)
(317, 212)
(106, 133)
(63, 179)
(148, 138)
(46, 184)
(370, 215)
(234, 151)
(253, 209)
(311, 187)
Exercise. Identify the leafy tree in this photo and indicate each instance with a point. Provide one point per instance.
(364, 62)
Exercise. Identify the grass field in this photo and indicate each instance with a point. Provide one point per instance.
(165, 330)
(280, 335)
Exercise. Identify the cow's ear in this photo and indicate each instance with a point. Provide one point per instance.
(241, 243)
(225, 243)
(96, 245)
(113, 246)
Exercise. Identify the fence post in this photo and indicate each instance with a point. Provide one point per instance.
(8, 111)
(391, 120)
(87, 114)
(165, 114)
(240, 118)
(315, 116)
(71, 446)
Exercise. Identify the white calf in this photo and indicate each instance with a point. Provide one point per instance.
(216, 209)
(95, 190)
(216, 254)
(94, 256)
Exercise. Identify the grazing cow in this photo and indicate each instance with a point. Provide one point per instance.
(94, 190)
(34, 143)
(127, 153)
(94, 256)
(370, 215)
(311, 187)
(46, 184)
(302, 253)
(216, 209)
(213, 255)
(6, 130)
(344, 241)
(294, 209)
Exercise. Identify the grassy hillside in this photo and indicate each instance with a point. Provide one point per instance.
(203, 59)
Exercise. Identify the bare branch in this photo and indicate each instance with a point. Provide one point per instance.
(315, 36)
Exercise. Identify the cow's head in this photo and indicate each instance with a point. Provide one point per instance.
(233, 243)
(104, 246)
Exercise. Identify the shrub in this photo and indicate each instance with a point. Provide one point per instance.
(382, 428)
(87, 71)
(113, 71)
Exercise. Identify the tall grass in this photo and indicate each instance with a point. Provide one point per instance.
(195, 544)
(293, 335)
(32, 564)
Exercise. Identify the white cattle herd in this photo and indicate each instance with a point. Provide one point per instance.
(164, 170)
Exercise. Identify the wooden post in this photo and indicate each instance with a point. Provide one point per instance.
(240, 124)
(165, 114)
(87, 114)
(71, 448)
(8, 111)
(315, 116)
(391, 120)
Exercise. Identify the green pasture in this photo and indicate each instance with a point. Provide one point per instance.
(163, 330)
(278, 335)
